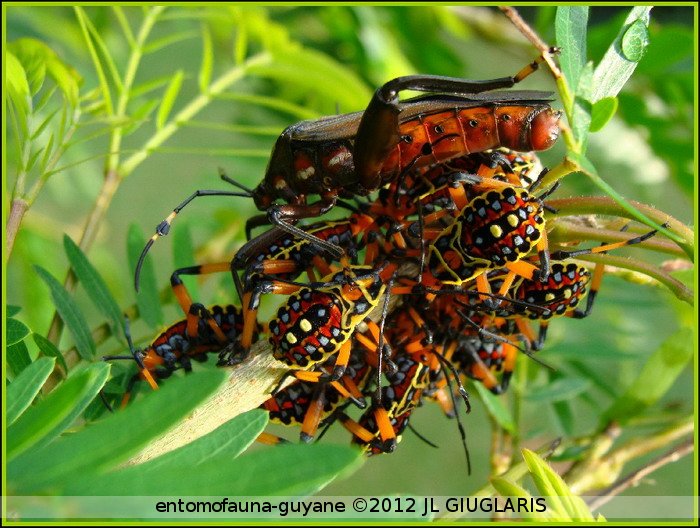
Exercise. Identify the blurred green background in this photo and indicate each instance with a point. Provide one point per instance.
(329, 59)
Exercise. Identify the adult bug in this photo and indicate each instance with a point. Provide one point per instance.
(357, 153)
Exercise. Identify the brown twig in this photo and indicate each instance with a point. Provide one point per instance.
(17, 210)
(634, 478)
(512, 14)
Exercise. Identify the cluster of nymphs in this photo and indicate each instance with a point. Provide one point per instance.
(435, 274)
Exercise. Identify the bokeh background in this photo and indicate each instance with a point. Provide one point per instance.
(645, 153)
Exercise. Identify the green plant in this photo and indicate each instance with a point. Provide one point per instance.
(104, 89)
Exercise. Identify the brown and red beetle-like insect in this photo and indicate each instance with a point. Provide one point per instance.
(356, 154)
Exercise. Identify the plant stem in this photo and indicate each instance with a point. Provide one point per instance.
(17, 210)
(601, 467)
(633, 479)
(604, 205)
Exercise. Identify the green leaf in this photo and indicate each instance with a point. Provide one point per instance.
(26, 387)
(570, 25)
(34, 56)
(205, 69)
(561, 389)
(18, 357)
(603, 111)
(171, 93)
(16, 331)
(317, 73)
(17, 86)
(496, 408)
(295, 469)
(582, 106)
(83, 20)
(50, 350)
(147, 297)
(656, 377)
(50, 417)
(229, 439)
(71, 315)
(12, 310)
(94, 285)
(140, 116)
(40, 60)
(568, 506)
(565, 416)
(635, 41)
(111, 442)
(615, 68)
(506, 488)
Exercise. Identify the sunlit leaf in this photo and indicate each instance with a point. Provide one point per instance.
(603, 111)
(171, 93)
(614, 69)
(26, 386)
(44, 421)
(570, 25)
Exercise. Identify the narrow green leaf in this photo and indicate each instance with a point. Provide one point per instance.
(158, 44)
(12, 310)
(306, 469)
(318, 73)
(18, 357)
(603, 111)
(171, 93)
(49, 349)
(635, 41)
(561, 389)
(67, 80)
(147, 296)
(149, 85)
(140, 116)
(496, 408)
(110, 442)
(16, 331)
(17, 85)
(614, 68)
(205, 69)
(570, 26)
(565, 416)
(656, 377)
(26, 386)
(506, 488)
(48, 151)
(51, 416)
(104, 85)
(45, 98)
(33, 55)
(582, 106)
(229, 439)
(94, 285)
(70, 313)
(42, 126)
(551, 485)
(32, 160)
